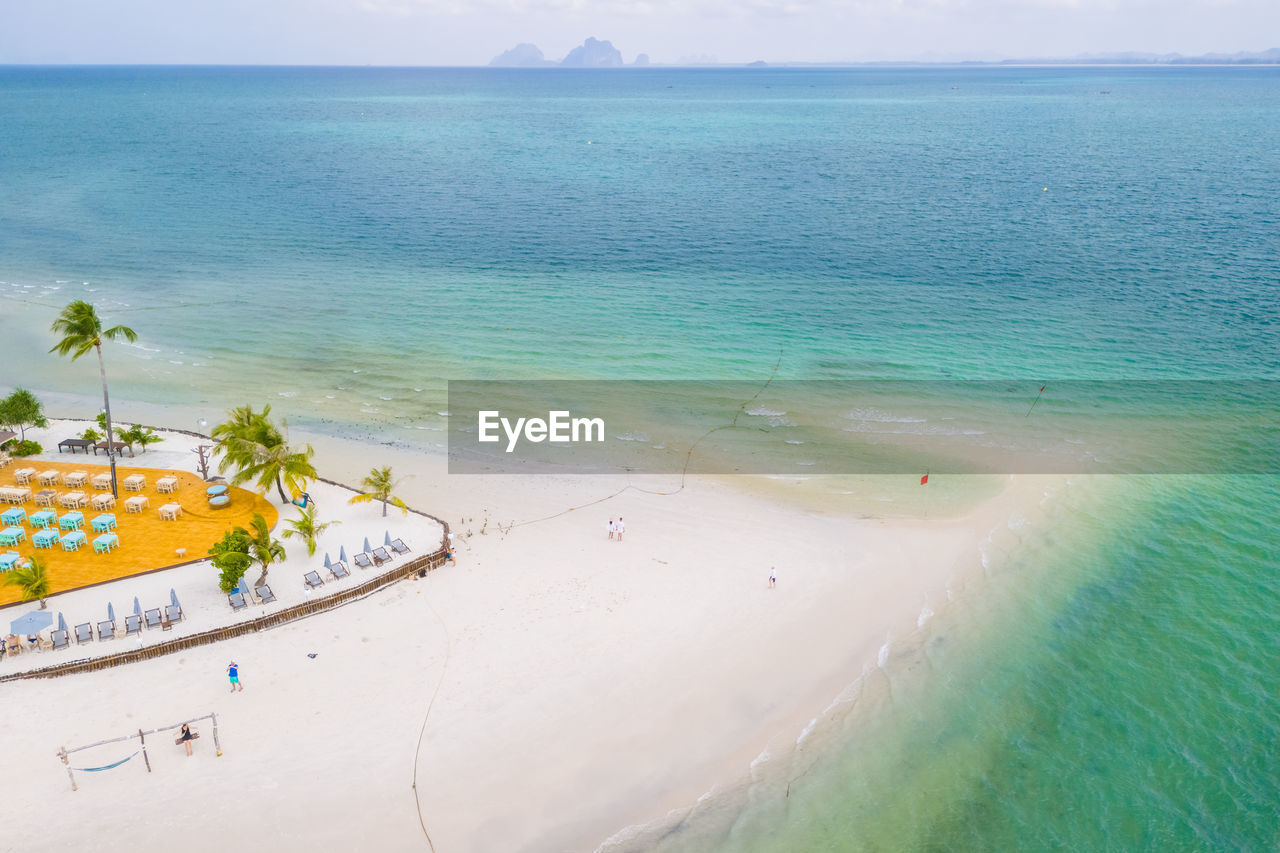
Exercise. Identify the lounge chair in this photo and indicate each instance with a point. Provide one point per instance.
(339, 570)
(237, 601)
(399, 547)
(61, 639)
(172, 614)
(363, 561)
(153, 618)
(132, 625)
(264, 592)
(84, 632)
(106, 629)
(380, 556)
(312, 580)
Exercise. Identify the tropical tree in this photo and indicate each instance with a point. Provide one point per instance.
(308, 528)
(91, 435)
(32, 580)
(81, 331)
(378, 486)
(21, 409)
(139, 435)
(252, 444)
(230, 557)
(264, 549)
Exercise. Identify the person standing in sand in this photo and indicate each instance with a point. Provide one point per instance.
(773, 577)
(233, 672)
(612, 527)
(620, 528)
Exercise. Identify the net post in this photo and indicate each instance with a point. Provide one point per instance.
(62, 753)
(145, 757)
(217, 744)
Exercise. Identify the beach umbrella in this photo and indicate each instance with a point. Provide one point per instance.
(111, 612)
(367, 549)
(342, 554)
(31, 623)
(173, 598)
(137, 608)
(328, 564)
(242, 587)
(62, 623)
(386, 539)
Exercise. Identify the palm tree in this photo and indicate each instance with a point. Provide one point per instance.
(81, 331)
(262, 548)
(32, 579)
(308, 528)
(378, 487)
(252, 444)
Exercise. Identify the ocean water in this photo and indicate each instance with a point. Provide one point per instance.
(340, 242)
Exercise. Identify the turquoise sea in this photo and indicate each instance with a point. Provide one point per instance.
(340, 242)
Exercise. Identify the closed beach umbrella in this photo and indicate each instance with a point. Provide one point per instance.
(62, 623)
(31, 623)
(137, 608)
(327, 562)
(342, 554)
(111, 612)
(173, 598)
(243, 587)
(366, 545)
(386, 539)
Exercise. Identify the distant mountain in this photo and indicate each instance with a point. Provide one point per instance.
(593, 54)
(521, 56)
(1264, 57)
(642, 60)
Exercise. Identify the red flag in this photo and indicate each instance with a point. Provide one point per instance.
(924, 479)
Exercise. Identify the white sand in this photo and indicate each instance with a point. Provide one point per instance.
(583, 685)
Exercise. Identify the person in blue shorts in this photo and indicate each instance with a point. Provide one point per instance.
(233, 672)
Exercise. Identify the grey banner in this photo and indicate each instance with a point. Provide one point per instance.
(865, 427)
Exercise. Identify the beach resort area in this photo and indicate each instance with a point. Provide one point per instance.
(549, 687)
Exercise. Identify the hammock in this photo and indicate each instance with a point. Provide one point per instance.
(105, 767)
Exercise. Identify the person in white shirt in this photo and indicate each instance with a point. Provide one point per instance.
(612, 527)
(620, 528)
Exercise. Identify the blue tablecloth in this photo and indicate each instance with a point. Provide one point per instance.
(73, 520)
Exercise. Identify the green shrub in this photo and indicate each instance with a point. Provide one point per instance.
(231, 558)
(25, 448)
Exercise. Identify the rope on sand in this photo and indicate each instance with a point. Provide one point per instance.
(423, 730)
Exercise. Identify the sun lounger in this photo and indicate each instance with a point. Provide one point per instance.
(106, 630)
(264, 592)
(84, 632)
(312, 580)
(153, 617)
(237, 601)
(339, 570)
(173, 613)
(132, 624)
(363, 561)
(399, 547)
(380, 556)
(61, 639)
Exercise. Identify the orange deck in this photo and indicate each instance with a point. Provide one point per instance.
(146, 542)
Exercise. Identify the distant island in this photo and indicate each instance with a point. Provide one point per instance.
(592, 53)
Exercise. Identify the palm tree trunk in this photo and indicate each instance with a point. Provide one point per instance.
(280, 487)
(106, 404)
(384, 507)
(262, 578)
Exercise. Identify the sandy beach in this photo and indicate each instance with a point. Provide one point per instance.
(551, 689)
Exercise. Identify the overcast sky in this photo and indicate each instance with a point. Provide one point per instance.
(470, 32)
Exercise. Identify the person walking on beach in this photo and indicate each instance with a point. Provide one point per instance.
(612, 527)
(185, 738)
(620, 528)
(233, 672)
(773, 577)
